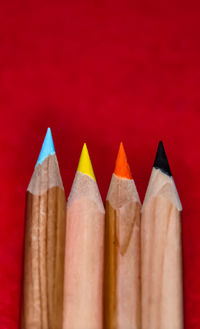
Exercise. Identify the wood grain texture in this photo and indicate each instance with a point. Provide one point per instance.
(110, 269)
(42, 295)
(161, 265)
(122, 267)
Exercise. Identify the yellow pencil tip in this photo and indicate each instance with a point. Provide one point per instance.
(85, 165)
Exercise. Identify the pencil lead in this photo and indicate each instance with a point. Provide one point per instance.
(161, 161)
(47, 148)
(122, 168)
(85, 165)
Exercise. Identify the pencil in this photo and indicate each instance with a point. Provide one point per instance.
(43, 275)
(162, 305)
(122, 250)
(83, 279)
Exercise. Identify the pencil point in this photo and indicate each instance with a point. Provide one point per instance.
(122, 168)
(161, 161)
(85, 165)
(47, 147)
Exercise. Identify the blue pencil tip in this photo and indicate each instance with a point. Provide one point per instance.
(47, 148)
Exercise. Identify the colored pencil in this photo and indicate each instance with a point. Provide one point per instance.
(43, 275)
(122, 250)
(83, 281)
(161, 255)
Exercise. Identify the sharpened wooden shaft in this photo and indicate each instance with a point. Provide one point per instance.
(42, 296)
(161, 265)
(83, 266)
(122, 267)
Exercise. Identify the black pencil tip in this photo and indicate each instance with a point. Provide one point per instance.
(161, 161)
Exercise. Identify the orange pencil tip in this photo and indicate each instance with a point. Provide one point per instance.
(122, 168)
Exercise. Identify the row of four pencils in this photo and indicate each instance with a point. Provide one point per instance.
(96, 269)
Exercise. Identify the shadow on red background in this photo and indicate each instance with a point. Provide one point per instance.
(98, 72)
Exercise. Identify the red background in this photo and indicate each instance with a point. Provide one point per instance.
(99, 72)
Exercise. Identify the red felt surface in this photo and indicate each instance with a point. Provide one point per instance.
(100, 72)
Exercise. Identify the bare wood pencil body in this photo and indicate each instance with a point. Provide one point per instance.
(122, 256)
(42, 295)
(162, 299)
(84, 256)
